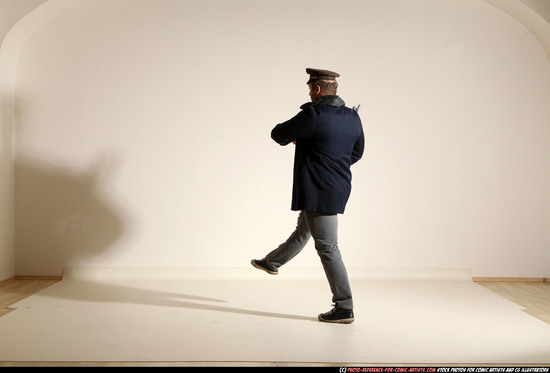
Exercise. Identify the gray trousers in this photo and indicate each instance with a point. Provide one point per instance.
(324, 230)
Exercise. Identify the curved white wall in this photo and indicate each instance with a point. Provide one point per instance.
(142, 134)
(533, 14)
(11, 11)
(7, 248)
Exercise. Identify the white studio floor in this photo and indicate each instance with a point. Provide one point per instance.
(245, 315)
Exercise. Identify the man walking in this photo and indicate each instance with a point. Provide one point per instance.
(329, 139)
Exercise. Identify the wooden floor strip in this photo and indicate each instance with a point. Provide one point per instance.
(533, 296)
(510, 279)
(14, 291)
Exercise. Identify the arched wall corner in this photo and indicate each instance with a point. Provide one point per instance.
(531, 19)
(9, 56)
(10, 48)
(20, 32)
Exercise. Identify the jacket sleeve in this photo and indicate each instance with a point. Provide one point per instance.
(293, 129)
(358, 148)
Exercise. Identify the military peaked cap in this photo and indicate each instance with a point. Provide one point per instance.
(315, 74)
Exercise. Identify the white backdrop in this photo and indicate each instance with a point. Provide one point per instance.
(142, 134)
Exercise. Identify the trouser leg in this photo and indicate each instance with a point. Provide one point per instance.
(324, 230)
(292, 246)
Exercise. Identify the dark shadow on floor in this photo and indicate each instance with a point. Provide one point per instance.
(89, 291)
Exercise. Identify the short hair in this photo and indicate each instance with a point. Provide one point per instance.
(329, 87)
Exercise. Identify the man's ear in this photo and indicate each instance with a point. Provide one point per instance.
(316, 89)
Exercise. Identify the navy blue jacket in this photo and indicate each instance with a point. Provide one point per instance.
(329, 139)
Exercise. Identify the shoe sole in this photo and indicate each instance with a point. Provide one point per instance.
(253, 262)
(339, 321)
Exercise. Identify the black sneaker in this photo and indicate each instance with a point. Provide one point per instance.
(261, 264)
(337, 315)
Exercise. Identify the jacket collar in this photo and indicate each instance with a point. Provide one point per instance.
(329, 100)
